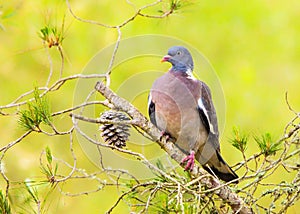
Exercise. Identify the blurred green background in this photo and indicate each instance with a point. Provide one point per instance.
(254, 47)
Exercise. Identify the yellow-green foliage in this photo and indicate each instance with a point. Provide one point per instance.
(37, 112)
(4, 206)
(254, 47)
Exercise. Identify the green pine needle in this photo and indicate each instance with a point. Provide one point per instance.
(32, 191)
(160, 177)
(49, 169)
(4, 206)
(48, 155)
(239, 140)
(37, 112)
(175, 4)
(160, 165)
(52, 35)
(267, 145)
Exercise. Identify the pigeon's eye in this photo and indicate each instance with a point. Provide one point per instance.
(178, 53)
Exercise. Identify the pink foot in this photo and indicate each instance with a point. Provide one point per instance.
(163, 133)
(190, 159)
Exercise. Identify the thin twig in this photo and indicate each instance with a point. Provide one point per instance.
(50, 64)
(225, 193)
(103, 121)
(112, 59)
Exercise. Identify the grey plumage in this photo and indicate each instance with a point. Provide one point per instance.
(181, 106)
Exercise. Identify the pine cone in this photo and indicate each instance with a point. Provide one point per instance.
(115, 134)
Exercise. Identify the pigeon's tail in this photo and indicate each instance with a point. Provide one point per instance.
(217, 166)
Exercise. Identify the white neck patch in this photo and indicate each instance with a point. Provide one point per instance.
(190, 74)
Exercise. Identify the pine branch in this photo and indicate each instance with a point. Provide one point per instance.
(223, 191)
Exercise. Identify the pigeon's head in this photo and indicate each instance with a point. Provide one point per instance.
(180, 58)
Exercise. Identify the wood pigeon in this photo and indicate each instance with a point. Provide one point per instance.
(181, 106)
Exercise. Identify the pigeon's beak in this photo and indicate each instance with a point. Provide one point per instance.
(165, 58)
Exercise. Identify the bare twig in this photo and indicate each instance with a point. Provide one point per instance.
(50, 64)
(225, 193)
(129, 191)
(137, 13)
(105, 103)
(103, 121)
(203, 187)
(107, 75)
(5, 148)
(54, 87)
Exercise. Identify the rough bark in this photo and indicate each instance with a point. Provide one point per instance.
(223, 191)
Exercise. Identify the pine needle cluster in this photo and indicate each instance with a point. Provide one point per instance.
(37, 112)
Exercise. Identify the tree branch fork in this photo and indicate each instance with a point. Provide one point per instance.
(139, 120)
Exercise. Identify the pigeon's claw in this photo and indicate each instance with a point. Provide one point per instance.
(165, 134)
(190, 161)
